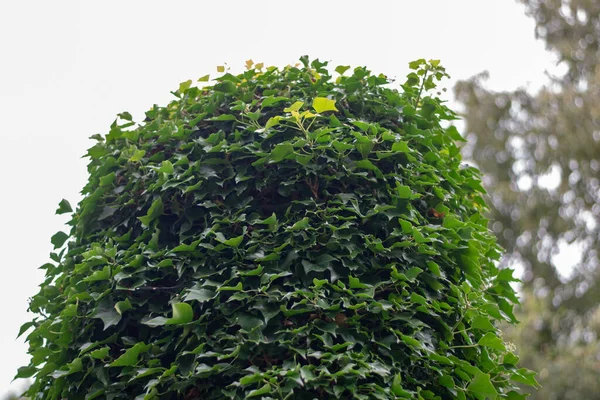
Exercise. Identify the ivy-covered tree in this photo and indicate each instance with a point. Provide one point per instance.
(281, 234)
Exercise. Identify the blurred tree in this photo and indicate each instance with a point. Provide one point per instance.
(540, 155)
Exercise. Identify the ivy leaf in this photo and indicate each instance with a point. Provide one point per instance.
(109, 317)
(281, 151)
(301, 225)
(482, 385)
(340, 69)
(100, 354)
(58, 239)
(294, 107)
(64, 207)
(492, 341)
(404, 192)
(483, 323)
(123, 306)
(182, 314)
(130, 357)
(322, 104)
(266, 389)
(155, 211)
(200, 295)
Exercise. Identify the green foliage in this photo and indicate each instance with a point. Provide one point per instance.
(280, 234)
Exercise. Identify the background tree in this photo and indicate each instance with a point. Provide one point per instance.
(540, 155)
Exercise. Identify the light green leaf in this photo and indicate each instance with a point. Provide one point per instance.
(123, 306)
(294, 107)
(273, 121)
(401, 147)
(166, 167)
(482, 385)
(340, 69)
(300, 225)
(266, 389)
(100, 353)
(269, 221)
(137, 155)
(233, 242)
(182, 314)
(183, 86)
(236, 288)
(484, 323)
(130, 357)
(492, 341)
(322, 104)
(404, 192)
(155, 211)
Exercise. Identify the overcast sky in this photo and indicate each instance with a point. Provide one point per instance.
(67, 67)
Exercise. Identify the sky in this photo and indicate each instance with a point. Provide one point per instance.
(68, 67)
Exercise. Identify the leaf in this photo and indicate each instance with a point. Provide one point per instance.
(221, 68)
(123, 306)
(404, 192)
(25, 372)
(165, 263)
(166, 167)
(233, 242)
(492, 341)
(482, 385)
(100, 353)
(236, 288)
(63, 207)
(200, 295)
(322, 104)
(183, 86)
(205, 78)
(107, 180)
(294, 107)
(155, 211)
(416, 64)
(483, 323)
(130, 357)
(340, 69)
(410, 341)
(270, 101)
(182, 314)
(401, 147)
(266, 389)
(58, 239)
(300, 225)
(281, 151)
(273, 121)
(223, 117)
(250, 379)
(109, 317)
(526, 376)
(269, 221)
(137, 155)
(185, 248)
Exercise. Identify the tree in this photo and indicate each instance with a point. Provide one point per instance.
(540, 157)
(279, 234)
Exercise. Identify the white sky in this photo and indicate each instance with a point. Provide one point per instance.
(68, 67)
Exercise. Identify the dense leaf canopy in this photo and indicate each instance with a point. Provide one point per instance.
(279, 234)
